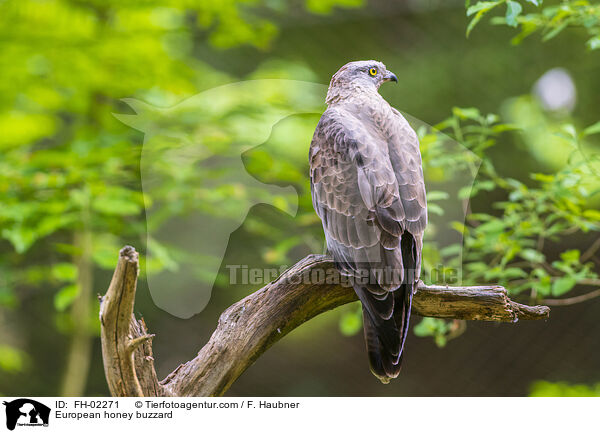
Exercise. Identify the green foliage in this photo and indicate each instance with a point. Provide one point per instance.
(440, 330)
(508, 246)
(65, 297)
(351, 322)
(549, 20)
(562, 389)
(69, 170)
(326, 6)
(513, 10)
(431, 327)
(479, 10)
(12, 360)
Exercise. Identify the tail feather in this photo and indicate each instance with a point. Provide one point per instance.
(385, 360)
(375, 350)
(380, 314)
(385, 333)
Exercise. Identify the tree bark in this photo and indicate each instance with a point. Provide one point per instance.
(126, 347)
(250, 326)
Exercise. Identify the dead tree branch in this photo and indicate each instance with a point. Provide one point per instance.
(250, 326)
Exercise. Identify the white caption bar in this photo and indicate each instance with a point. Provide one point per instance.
(49, 414)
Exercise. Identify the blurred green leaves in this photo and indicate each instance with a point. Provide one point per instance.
(549, 20)
(65, 297)
(562, 389)
(69, 170)
(593, 129)
(431, 327)
(351, 321)
(65, 272)
(439, 329)
(479, 10)
(508, 245)
(513, 10)
(12, 360)
(327, 6)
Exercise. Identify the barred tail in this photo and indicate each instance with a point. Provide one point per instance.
(385, 341)
(386, 316)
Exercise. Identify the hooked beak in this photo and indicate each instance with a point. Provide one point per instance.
(390, 77)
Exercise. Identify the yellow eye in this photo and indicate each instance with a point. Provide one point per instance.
(373, 72)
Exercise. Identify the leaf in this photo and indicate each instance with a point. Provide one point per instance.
(466, 113)
(11, 360)
(543, 177)
(451, 250)
(493, 226)
(326, 6)
(65, 297)
(561, 389)
(481, 6)
(593, 43)
(20, 237)
(440, 340)
(543, 284)
(592, 214)
(425, 328)
(103, 250)
(532, 255)
(563, 285)
(555, 31)
(433, 208)
(535, 2)
(513, 273)
(459, 227)
(350, 323)
(64, 272)
(51, 223)
(115, 206)
(513, 10)
(465, 192)
(437, 195)
(570, 130)
(570, 256)
(593, 129)
(487, 185)
(437, 328)
(505, 127)
(477, 266)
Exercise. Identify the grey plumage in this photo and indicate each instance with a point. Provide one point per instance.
(367, 187)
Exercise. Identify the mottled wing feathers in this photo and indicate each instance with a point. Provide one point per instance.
(405, 158)
(355, 191)
(367, 188)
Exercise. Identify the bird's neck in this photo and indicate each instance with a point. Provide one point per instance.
(346, 94)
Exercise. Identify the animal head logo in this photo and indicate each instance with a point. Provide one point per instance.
(197, 189)
(26, 412)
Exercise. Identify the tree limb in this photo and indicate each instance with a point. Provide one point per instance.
(126, 345)
(250, 326)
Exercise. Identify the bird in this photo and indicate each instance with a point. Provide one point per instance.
(368, 189)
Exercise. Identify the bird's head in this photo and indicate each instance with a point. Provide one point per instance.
(364, 75)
